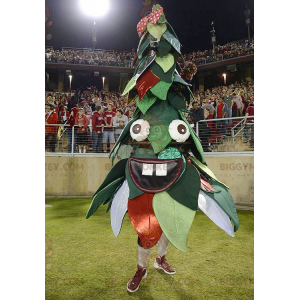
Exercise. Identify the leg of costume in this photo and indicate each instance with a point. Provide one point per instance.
(162, 178)
(163, 244)
(143, 255)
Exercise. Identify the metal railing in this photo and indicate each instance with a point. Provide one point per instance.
(217, 135)
(62, 139)
(234, 134)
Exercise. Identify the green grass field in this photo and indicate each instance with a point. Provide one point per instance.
(84, 260)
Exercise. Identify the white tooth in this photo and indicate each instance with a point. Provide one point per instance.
(147, 169)
(161, 170)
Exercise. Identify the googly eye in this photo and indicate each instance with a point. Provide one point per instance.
(139, 130)
(179, 131)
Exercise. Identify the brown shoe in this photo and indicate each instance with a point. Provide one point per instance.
(161, 264)
(134, 283)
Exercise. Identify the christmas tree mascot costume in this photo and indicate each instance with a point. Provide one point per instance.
(161, 179)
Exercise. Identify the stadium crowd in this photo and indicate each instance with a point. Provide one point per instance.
(227, 51)
(125, 58)
(100, 116)
(90, 57)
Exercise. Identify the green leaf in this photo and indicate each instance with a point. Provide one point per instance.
(159, 116)
(123, 136)
(155, 7)
(178, 78)
(142, 39)
(103, 195)
(161, 113)
(158, 71)
(130, 85)
(174, 219)
(162, 18)
(176, 101)
(125, 151)
(164, 48)
(147, 101)
(161, 89)
(117, 171)
(186, 92)
(172, 31)
(186, 189)
(134, 191)
(156, 30)
(136, 112)
(159, 137)
(143, 47)
(111, 198)
(203, 168)
(194, 137)
(141, 61)
(165, 62)
(172, 40)
(190, 93)
(225, 201)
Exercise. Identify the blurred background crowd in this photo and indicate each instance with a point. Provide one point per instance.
(125, 58)
(103, 114)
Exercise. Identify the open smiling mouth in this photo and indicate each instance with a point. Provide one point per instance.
(154, 175)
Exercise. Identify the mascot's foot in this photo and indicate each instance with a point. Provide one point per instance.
(134, 283)
(161, 264)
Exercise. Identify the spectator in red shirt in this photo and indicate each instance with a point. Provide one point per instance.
(234, 109)
(108, 132)
(249, 124)
(222, 109)
(97, 120)
(82, 139)
(51, 117)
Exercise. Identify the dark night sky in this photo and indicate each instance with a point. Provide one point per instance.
(190, 19)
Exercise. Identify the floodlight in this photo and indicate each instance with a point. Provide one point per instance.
(70, 76)
(224, 75)
(95, 8)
